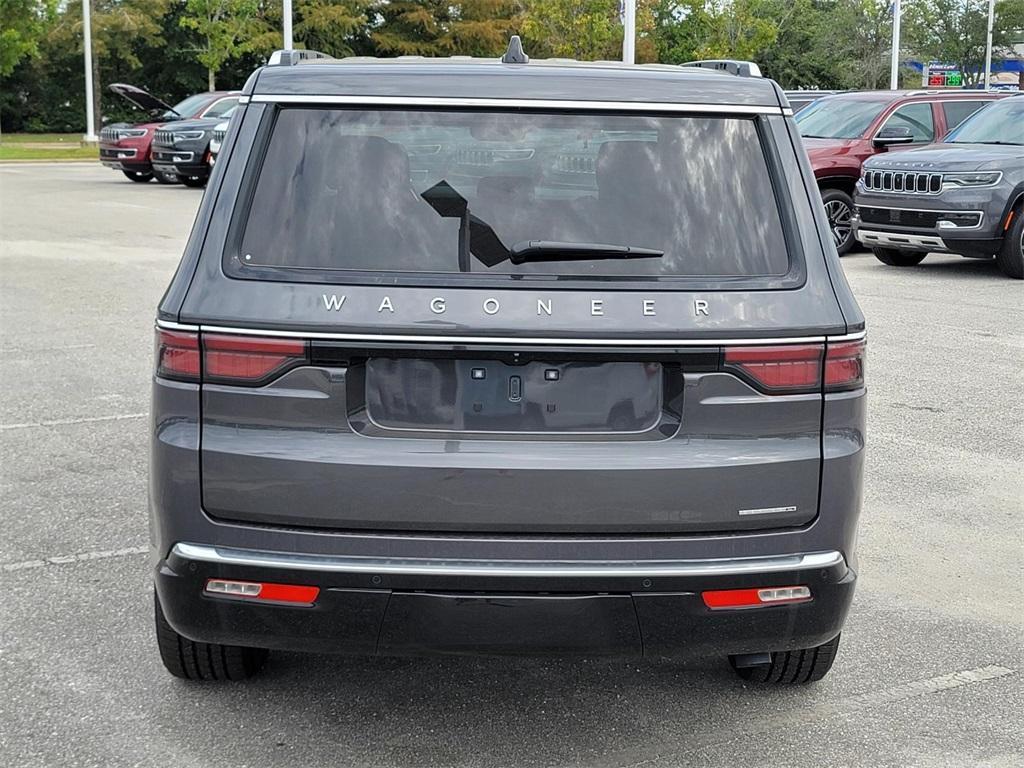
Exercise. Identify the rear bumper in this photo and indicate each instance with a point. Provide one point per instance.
(416, 605)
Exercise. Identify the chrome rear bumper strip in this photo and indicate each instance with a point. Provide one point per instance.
(573, 341)
(504, 568)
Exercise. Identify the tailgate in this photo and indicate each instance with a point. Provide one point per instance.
(515, 441)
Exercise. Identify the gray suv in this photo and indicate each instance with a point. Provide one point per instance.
(507, 357)
(962, 196)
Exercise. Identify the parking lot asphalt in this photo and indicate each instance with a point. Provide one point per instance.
(931, 668)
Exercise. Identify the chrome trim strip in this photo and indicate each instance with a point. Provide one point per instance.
(170, 326)
(415, 337)
(925, 242)
(848, 337)
(425, 101)
(521, 568)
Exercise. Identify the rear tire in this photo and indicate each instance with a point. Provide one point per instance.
(839, 210)
(193, 181)
(807, 665)
(897, 258)
(1010, 258)
(140, 177)
(204, 661)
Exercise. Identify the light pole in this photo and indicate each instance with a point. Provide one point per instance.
(286, 11)
(90, 118)
(629, 32)
(894, 65)
(988, 44)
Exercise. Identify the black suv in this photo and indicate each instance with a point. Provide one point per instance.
(962, 196)
(505, 357)
(183, 148)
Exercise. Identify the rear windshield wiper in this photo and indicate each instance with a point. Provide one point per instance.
(478, 238)
(547, 250)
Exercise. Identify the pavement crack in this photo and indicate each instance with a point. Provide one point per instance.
(82, 557)
(64, 422)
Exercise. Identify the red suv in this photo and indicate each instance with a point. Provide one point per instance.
(841, 132)
(125, 147)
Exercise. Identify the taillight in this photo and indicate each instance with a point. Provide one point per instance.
(844, 365)
(263, 590)
(243, 360)
(177, 355)
(755, 598)
(249, 359)
(778, 369)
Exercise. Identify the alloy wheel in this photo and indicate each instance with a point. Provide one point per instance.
(839, 215)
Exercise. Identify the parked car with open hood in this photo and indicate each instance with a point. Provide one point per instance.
(962, 196)
(126, 147)
(182, 148)
(841, 132)
(404, 403)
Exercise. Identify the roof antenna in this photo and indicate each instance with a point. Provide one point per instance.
(515, 54)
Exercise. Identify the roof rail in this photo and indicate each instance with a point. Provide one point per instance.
(290, 57)
(732, 66)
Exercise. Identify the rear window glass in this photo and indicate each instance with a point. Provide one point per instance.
(577, 195)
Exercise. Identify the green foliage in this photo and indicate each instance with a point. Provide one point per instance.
(439, 28)
(336, 28)
(23, 23)
(177, 47)
(226, 28)
(954, 31)
(577, 29)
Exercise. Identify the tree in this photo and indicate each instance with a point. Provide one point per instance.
(480, 27)
(227, 28)
(955, 32)
(23, 24)
(337, 28)
(576, 29)
(439, 28)
(119, 29)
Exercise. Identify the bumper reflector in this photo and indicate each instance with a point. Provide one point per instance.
(751, 598)
(261, 590)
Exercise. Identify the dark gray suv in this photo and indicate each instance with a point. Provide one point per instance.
(962, 196)
(507, 357)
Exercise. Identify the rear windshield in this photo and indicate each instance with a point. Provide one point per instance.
(576, 195)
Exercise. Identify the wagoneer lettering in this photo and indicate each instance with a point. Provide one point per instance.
(500, 372)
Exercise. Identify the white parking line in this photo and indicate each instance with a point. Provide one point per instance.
(62, 422)
(82, 557)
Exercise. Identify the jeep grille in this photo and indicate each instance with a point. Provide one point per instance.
(164, 137)
(907, 182)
